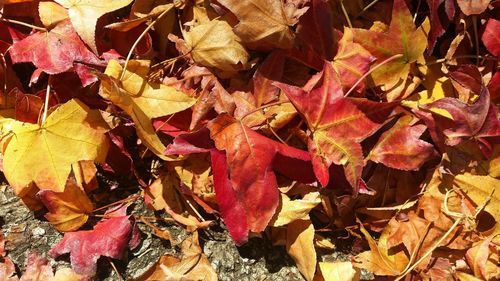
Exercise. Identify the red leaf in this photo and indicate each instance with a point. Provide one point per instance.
(110, 237)
(479, 119)
(54, 51)
(315, 29)
(440, 16)
(401, 147)
(246, 184)
(338, 124)
(491, 38)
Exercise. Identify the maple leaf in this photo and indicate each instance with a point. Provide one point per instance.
(214, 44)
(54, 51)
(245, 184)
(401, 147)
(68, 210)
(110, 237)
(142, 100)
(71, 133)
(338, 124)
(290, 210)
(85, 13)
(51, 14)
(490, 36)
(264, 24)
(401, 37)
(351, 61)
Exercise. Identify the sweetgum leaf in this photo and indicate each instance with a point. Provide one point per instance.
(401, 37)
(68, 210)
(401, 147)
(54, 51)
(73, 132)
(110, 238)
(85, 13)
(264, 24)
(338, 124)
(247, 186)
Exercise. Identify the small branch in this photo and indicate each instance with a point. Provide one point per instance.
(263, 107)
(129, 55)
(370, 72)
(345, 13)
(24, 24)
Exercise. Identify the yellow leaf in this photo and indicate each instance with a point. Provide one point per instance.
(291, 210)
(378, 260)
(67, 274)
(338, 271)
(142, 100)
(51, 13)
(214, 44)
(84, 15)
(482, 190)
(44, 154)
(68, 210)
(300, 246)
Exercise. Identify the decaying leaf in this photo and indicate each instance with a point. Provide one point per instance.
(300, 246)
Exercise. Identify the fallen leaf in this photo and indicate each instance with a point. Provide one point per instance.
(193, 265)
(54, 51)
(490, 37)
(142, 100)
(338, 124)
(51, 13)
(401, 37)
(110, 238)
(85, 13)
(264, 24)
(378, 259)
(214, 44)
(68, 210)
(300, 246)
(401, 147)
(483, 261)
(337, 271)
(245, 184)
(291, 210)
(71, 133)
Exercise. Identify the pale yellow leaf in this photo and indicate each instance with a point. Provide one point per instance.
(85, 13)
(338, 271)
(51, 13)
(291, 210)
(300, 246)
(214, 44)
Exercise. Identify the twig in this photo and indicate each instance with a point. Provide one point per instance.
(371, 71)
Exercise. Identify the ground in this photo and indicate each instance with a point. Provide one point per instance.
(26, 231)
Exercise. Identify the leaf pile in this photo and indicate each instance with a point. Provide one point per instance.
(301, 121)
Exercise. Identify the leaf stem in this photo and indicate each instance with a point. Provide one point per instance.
(129, 55)
(24, 24)
(366, 8)
(263, 107)
(46, 103)
(370, 72)
(345, 13)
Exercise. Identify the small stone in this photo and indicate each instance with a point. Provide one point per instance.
(38, 231)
